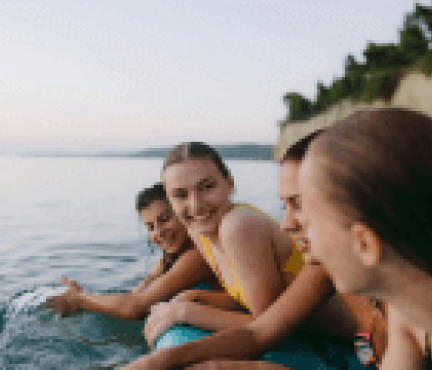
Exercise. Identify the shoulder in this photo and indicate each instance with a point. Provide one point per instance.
(191, 255)
(245, 225)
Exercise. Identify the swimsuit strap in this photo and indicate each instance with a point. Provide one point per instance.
(428, 353)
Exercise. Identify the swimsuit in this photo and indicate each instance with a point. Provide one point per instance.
(292, 266)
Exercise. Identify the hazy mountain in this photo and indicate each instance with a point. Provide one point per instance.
(227, 151)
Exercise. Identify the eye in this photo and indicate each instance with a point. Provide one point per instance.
(180, 194)
(166, 218)
(296, 205)
(207, 186)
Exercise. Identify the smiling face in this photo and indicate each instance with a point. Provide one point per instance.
(342, 247)
(290, 196)
(199, 194)
(164, 227)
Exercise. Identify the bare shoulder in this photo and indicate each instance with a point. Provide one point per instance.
(404, 347)
(190, 255)
(241, 222)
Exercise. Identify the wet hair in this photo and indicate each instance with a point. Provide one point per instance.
(196, 150)
(145, 198)
(376, 167)
(298, 150)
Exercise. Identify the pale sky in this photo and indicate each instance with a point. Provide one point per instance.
(128, 74)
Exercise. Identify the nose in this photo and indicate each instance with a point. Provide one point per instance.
(195, 204)
(158, 233)
(290, 222)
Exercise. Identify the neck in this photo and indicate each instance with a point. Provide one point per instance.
(407, 289)
(187, 245)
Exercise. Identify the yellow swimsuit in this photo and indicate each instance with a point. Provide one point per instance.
(293, 265)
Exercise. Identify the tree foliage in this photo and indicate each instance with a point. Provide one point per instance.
(379, 75)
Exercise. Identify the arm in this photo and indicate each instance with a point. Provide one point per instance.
(188, 271)
(238, 365)
(212, 318)
(220, 300)
(311, 287)
(165, 315)
(154, 274)
(247, 240)
(403, 351)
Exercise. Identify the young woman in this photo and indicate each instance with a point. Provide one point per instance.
(198, 185)
(245, 248)
(366, 196)
(181, 266)
(370, 315)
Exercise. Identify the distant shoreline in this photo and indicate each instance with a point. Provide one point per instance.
(234, 151)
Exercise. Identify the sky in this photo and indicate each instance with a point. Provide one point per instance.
(130, 74)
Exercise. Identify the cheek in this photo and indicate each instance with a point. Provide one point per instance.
(317, 240)
(177, 206)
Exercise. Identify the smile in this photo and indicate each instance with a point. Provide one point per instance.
(207, 216)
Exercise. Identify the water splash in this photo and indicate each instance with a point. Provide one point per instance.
(27, 301)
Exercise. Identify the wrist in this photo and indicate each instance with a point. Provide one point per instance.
(196, 296)
(183, 312)
(80, 299)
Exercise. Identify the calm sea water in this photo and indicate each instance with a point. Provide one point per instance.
(76, 216)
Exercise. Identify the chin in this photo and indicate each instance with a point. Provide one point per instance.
(207, 230)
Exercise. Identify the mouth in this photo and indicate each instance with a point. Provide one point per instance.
(302, 244)
(205, 218)
(169, 238)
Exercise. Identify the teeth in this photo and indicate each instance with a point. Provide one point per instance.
(203, 218)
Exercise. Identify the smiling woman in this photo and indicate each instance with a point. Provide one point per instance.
(253, 258)
(181, 266)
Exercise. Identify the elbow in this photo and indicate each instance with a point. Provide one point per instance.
(131, 310)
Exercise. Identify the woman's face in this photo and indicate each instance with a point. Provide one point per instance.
(164, 227)
(290, 196)
(331, 237)
(199, 194)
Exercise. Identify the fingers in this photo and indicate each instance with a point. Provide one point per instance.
(158, 321)
(71, 283)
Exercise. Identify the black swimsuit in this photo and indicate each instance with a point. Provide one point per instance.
(428, 365)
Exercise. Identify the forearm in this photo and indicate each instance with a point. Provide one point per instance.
(145, 284)
(306, 294)
(220, 300)
(212, 318)
(236, 344)
(118, 305)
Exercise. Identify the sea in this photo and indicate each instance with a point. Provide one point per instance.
(76, 217)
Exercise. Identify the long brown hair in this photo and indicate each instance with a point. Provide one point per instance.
(298, 150)
(196, 150)
(143, 200)
(377, 168)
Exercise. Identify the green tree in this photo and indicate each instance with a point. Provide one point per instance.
(356, 75)
(299, 107)
(413, 40)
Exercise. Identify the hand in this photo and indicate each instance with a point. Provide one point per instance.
(67, 302)
(191, 295)
(154, 361)
(163, 316)
(71, 284)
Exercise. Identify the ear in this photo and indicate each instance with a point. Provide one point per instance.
(231, 184)
(367, 245)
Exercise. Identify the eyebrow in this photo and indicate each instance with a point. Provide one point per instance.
(164, 214)
(202, 181)
(291, 197)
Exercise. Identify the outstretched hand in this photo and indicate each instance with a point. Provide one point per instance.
(66, 303)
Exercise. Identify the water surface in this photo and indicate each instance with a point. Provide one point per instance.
(76, 217)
